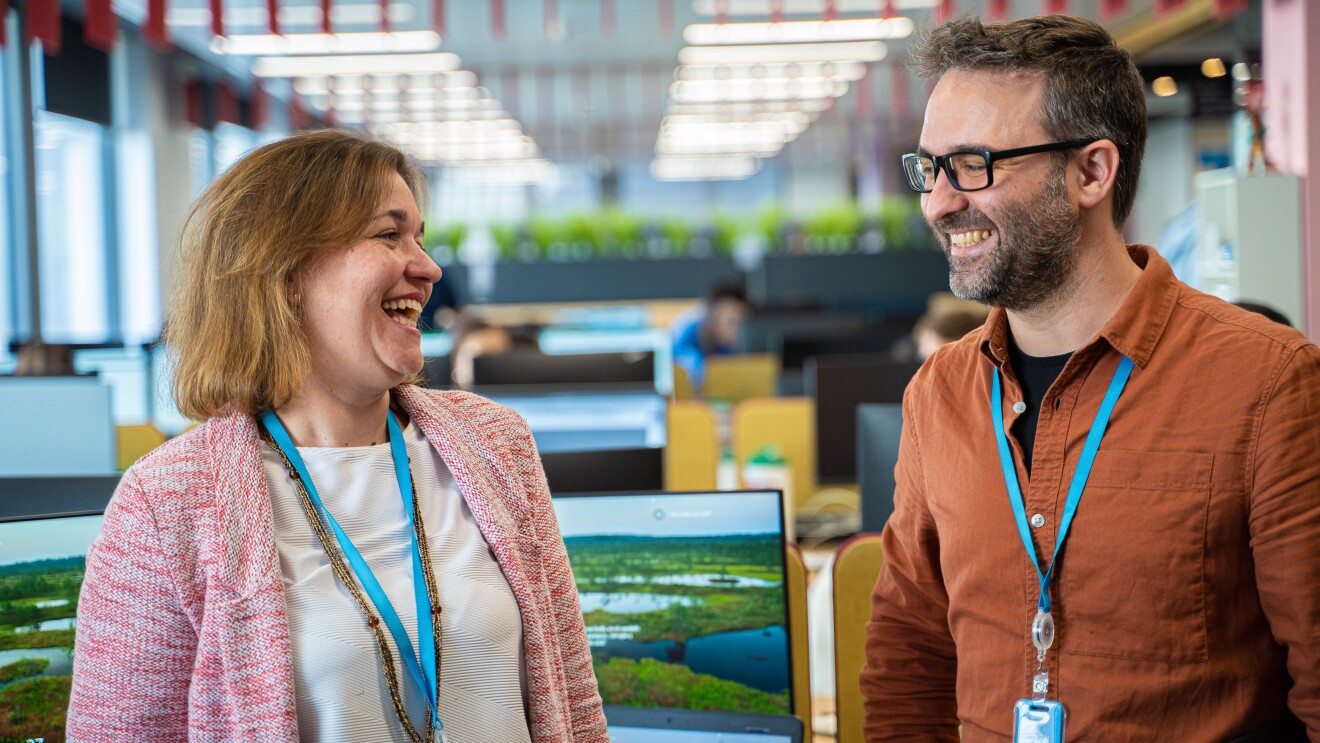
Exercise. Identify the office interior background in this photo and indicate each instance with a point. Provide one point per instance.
(596, 166)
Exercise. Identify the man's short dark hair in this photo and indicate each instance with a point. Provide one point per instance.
(728, 290)
(1092, 86)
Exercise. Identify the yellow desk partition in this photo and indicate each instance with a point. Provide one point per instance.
(683, 389)
(856, 568)
(795, 583)
(132, 442)
(692, 451)
(741, 377)
(789, 423)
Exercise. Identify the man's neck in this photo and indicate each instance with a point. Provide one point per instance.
(1074, 314)
(331, 418)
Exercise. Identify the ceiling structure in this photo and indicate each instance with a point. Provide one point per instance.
(526, 82)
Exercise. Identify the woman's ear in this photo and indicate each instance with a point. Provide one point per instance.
(1097, 167)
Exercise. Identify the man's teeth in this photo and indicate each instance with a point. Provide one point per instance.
(968, 239)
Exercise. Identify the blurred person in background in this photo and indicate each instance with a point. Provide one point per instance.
(335, 554)
(709, 330)
(935, 329)
(474, 339)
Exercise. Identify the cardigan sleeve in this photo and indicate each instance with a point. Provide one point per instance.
(134, 646)
(587, 718)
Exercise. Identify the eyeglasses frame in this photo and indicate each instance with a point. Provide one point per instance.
(991, 157)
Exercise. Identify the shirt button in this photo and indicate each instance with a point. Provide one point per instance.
(1019, 407)
(1038, 521)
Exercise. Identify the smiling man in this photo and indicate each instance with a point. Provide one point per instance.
(1107, 514)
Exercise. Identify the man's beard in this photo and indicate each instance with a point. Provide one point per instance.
(1035, 254)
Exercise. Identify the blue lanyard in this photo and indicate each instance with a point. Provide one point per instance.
(1080, 476)
(425, 675)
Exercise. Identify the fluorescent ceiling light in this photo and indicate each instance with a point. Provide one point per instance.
(704, 169)
(717, 147)
(799, 7)
(510, 173)
(849, 71)
(726, 108)
(790, 118)
(357, 83)
(293, 16)
(797, 32)
(704, 91)
(837, 51)
(350, 43)
(354, 64)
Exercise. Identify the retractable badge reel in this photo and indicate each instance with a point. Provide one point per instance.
(1039, 720)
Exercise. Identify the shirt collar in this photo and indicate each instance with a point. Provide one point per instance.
(1135, 328)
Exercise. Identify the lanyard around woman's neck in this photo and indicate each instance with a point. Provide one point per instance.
(424, 674)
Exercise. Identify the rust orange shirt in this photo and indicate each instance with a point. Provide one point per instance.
(1187, 596)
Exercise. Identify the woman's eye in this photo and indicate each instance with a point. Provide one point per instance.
(391, 236)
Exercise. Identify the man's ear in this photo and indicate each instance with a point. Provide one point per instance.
(1097, 167)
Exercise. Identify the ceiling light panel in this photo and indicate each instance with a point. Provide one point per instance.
(839, 51)
(798, 32)
(762, 8)
(254, 45)
(850, 71)
(369, 64)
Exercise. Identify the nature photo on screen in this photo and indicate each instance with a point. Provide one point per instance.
(41, 571)
(683, 597)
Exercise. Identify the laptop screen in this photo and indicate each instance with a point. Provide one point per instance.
(651, 725)
(683, 597)
(42, 561)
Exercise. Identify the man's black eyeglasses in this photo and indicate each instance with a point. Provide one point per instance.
(971, 170)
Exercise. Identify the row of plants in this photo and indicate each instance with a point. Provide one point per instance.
(846, 228)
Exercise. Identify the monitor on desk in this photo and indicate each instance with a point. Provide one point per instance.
(879, 428)
(839, 385)
(683, 596)
(604, 470)
(569, 422)
(530, 370)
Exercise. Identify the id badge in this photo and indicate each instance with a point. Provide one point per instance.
(1038, 722)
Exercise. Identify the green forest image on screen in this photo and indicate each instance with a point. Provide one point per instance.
(38, 602)
(691, 622)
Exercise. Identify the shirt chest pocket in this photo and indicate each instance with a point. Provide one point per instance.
(1132, 575)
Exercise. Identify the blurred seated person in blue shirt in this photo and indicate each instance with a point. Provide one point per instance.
(709, 330)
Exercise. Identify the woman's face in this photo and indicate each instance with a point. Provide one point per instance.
(360, 304)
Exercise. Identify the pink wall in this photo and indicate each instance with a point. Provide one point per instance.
(1291, 69)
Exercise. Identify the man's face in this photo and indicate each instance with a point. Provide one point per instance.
(1011, 245)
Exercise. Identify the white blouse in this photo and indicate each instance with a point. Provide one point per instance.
(340, 687)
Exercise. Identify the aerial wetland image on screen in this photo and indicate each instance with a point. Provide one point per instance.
(682, 610)
(41, 571)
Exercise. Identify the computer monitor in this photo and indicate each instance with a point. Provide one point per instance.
(652, 725)
(531, 370)
(42, 561)
(839, 384)
(604, 470)
(683, 597)
(879, 428)
(591, 422)
(55, 494)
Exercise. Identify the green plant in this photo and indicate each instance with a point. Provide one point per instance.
(896, 216)
(771, 222)
(451, 235)
(506, 240)
(725, 231)
(834, 230)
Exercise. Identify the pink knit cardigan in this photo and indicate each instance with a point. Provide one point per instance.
(182, 632)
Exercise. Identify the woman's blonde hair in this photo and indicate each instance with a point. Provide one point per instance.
(235, 322)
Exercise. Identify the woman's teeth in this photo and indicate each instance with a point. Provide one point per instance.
(968, 239)
(403, 311)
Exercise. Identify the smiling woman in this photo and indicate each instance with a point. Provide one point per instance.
(335, 554)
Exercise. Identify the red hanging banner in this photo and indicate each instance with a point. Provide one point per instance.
(4, 16)
(438, 16)
(776, 11)
(549, 17)
(1225, 9)
(327, 24)
(996, 10)
(665, 9)
(607, 20)
(1055, 7)
(384, 16)
(43, 22)
(1111, 9)
(497, 18)
(217, 17)
(226, 103)
(154, 31)
(887, 9)
(721, 11)
(944, 11)
(100, 25)
(194, 104)
(830, 11)
(1165, 7)
(258, 106)
(273, 16)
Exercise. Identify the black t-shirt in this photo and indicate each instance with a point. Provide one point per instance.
(1036, 374)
